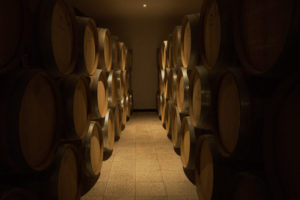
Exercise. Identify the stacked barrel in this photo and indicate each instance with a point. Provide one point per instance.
(234, 118)
(65, 99)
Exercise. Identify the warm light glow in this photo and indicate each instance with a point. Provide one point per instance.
(144, 5)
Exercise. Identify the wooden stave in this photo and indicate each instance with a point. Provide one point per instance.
(104, 33)
(95, 113)
(130, 103)
(17, 163)
(287, 58)
(207, 118)
(183, 73)
(176, 54)
(158, 103)
(45, 43)
(125, 78)
(124, 113)
(271, 151)
(86, 166)
(67, 87)
(161, 77)
(165, 83)
(83, 23)
(164, 102)
(194, 21)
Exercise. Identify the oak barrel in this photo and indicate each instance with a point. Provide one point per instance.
(111, 89)
(64, 179)
(105, 49)
(119, 85)
(266, 35)
(163, 55)
(58, 36)
(30, 112)
(172, 76)
(92, 148)
(115, 51)
(202, 99)
(87, 44)
(182, 91)
(176, 127)
(108, 131)
(118, 121)
(122, 56)
(74, 91)
(176, 50)
(99, 94)
(190, 40)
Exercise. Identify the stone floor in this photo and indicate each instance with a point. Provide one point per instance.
(143, 166)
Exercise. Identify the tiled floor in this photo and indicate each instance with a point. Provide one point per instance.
(143, 166)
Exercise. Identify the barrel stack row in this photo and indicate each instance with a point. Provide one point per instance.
(229, 97)
(65, 98)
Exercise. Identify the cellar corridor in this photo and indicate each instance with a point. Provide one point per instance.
(143, 166)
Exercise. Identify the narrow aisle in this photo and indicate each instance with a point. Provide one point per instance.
(143, 166)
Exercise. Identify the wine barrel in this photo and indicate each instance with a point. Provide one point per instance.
(130, 103)
(75, 104)
(63, 181)
(213, 174)
(124, 112)
(163, 55)
(105, 49)
(111, 89)
(217, 46)
(92, 148)
(29, 103)
(188, 140)
(190, 40)
(240, 116)
(201, 99)
(264, 39)
(280, 140)
(91, 152)
(182, 91)
(158, 103)
(168, 118)
(58, 36)
(176, 128)
(88, 46)
(15, 31)
(119, 85)
(169, 61)
(15, 193)
(123, 56)
(128, 107)
(163, 112)
(176, 50)
(247, 185)
(115, 51)
(108, 131)
(161, 80)
(99, 94)
(125, 75)
(172, 76)
(166, 83)
(118, 121)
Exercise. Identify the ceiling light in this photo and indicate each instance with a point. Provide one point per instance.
(144, 5)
